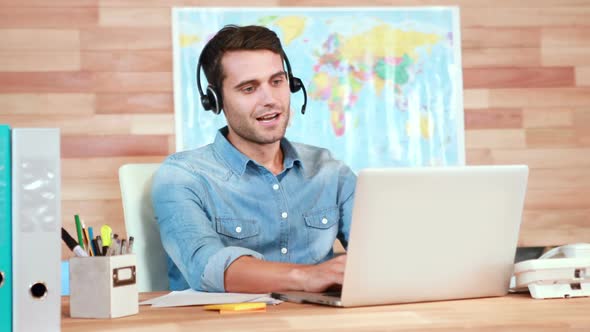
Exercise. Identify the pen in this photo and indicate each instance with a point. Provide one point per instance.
(123, 247)
(92, 241)
(99, 245)
(87, 243)
(130, 247)
(95, 245)
(72, 244)
(79, 231)
(115, 245)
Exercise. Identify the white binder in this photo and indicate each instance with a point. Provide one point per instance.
(36, 226)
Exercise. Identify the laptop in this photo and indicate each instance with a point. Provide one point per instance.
(429, 234)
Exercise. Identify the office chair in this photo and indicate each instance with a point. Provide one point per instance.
(140, 222)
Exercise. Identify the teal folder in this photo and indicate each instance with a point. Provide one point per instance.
(5, 232)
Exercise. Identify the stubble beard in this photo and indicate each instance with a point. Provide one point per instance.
(259, 136)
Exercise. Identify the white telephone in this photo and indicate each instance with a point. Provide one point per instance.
(562, 272)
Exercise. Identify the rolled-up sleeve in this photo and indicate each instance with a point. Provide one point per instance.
(346, 201)
(187, 232)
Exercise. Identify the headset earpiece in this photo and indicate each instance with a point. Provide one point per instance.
(205, 102)
(295, 83)
(210, 99)
(214, 102)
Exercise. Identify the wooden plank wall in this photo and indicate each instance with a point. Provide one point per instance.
(101, 70)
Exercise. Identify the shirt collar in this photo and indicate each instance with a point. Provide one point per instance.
(290, 155)
(238, 161)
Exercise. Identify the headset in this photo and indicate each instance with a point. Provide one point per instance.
(212, 101)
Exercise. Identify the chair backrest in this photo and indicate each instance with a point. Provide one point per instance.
(140, 222)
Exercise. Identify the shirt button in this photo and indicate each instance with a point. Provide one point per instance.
(284, 215)
(324, 220)
(275, 186)
(283, 251)
(238, 229)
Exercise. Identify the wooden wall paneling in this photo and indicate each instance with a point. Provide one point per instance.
(132, 81)
(551, 138)
(152, 124)
(582, 126)
(582, 118)
(558, 198)
(495, 139)
(583, 76)
(566, 37)
(46, 82)
(501, 57)
(43, 3)
(93, 211)
(476, 98)
(135, 17)
(82, 146)
(565, 56)
(493, 118)
(90, 189)
(502, 38)
(171, 144)
(108, 124)
(559, 178)
(511, 77)
(40, 39)
(78, 104)
(478, 156)
(478, 4)
(152, 102)
(39, 61)
(191, 3)
(105, 167)
(544, 158)
(547, 117)
(566, 46)
(565, 225)
(539, 97)
(526, 17)
(115, 38)
(127, 61)
(49, 17)
(96, 125)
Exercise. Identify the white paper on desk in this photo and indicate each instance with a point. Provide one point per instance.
(191, 297)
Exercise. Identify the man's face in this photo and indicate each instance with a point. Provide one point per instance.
(256, 96)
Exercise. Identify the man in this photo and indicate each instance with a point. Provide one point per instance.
(252, 212)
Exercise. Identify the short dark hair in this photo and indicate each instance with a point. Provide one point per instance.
(234, 38)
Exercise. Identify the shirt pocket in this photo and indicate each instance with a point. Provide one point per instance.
(322, 218)
(237, 232)
(322, 228)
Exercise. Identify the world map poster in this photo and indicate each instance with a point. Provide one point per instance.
(384, 83)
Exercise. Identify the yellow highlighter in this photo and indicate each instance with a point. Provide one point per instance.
(105, 234)
(238, 307)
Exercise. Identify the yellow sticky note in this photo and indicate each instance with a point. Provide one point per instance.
(237, 306)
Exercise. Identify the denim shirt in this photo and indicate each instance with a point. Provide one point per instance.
(214, 205)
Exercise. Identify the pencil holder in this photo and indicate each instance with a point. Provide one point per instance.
(103, 287)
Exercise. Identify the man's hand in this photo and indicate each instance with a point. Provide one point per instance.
(318, 278)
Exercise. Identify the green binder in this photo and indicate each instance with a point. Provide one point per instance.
(5, 231)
